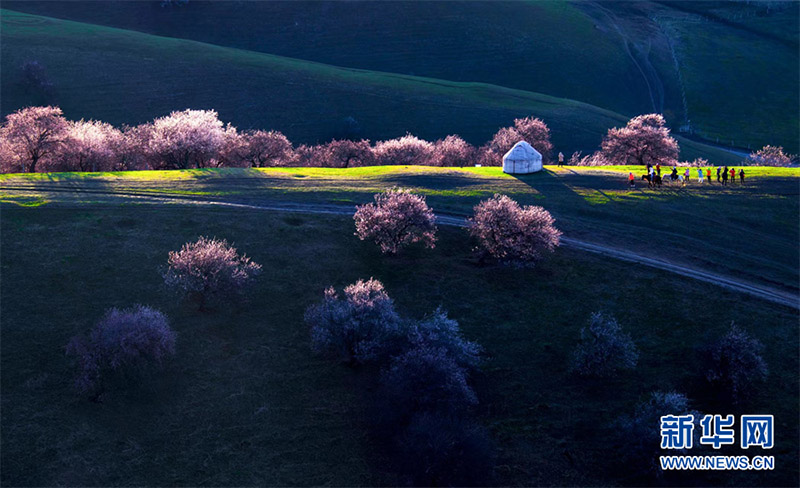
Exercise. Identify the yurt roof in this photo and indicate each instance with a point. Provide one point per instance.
(522, 150)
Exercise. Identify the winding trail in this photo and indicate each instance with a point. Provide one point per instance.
(762, 292)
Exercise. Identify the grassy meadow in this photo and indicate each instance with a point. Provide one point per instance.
(639, 58)
(245, 402)
(691, 225)
(148, 76)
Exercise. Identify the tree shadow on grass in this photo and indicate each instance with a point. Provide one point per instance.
(449, 181)
(558, 194)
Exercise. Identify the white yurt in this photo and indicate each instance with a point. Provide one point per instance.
(521, 159)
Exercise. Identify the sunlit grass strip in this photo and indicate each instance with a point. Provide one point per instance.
(365, 172)
(23, 201)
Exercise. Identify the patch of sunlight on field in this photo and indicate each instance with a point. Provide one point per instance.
(145, 175)
(23, 201)
(377, 171)
(596, 197)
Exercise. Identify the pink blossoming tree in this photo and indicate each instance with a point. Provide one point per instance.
(123, 342)
(770, 156)
(186, 139)
(130, 149)
(453, 151)
(645, 139)
(88, 146)
(513, 234)
(209, 269)
(266, 148)
(31, 136)
(404, 150)
(358, 327)
(396, 219)
(347, 154)
(530, 129)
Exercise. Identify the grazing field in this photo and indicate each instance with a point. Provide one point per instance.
(132, 77)
(246, 403)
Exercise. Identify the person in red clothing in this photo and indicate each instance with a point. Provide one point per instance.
(658, 169)
(733, 176)
(708, 175)
(631, 180)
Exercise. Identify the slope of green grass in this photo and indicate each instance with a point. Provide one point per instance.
(741, 88)
(748, 232)
(145, 76)
(525, 45)
(738, 67)
(246, 403)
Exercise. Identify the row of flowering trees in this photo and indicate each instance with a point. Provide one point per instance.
(41, 139)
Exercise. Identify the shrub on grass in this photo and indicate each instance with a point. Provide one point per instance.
(396, 219)
(209, 269)
(604, 349)
(360, 327)
(444, 450)
(425, 379)
(123, 342)
(441, 332)
(513, 234)
(733, 364)
(594, 159)
(639, 434)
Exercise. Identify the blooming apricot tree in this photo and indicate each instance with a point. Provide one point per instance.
(88, 146)
(359, 327)
(266, 148)
(186, 139)
(209, 268)
(31, 136)
(530, 129)
(123, 341)
(396, 219)
(644, 140)
(404, 150)
(452, 151)
(770, 156)
(513, 234)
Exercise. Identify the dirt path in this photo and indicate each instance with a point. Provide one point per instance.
(765, 293)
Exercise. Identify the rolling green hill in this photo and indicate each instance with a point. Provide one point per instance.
(731, 68)
(127, 77)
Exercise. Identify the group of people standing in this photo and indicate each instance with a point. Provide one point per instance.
(723, 174)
